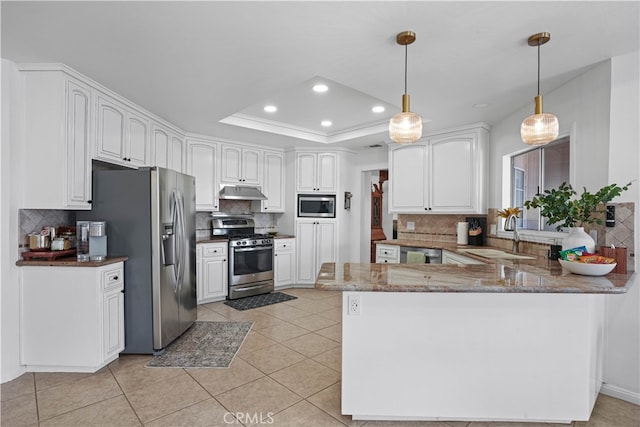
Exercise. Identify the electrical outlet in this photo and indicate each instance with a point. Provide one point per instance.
(411, 225)
(354, 305)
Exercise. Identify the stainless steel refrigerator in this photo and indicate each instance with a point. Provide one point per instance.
(150, 216)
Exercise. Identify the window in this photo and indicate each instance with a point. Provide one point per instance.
(534, 171)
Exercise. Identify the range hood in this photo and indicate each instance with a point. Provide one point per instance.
(241, 192)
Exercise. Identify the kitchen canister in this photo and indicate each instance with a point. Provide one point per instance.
(463, 233)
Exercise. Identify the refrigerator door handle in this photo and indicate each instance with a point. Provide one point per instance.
(181, 239)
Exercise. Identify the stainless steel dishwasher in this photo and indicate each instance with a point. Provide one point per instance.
(431, 256)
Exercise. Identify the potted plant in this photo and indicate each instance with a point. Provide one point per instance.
(562, 207)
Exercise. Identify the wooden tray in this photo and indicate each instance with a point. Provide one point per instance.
(48, 255)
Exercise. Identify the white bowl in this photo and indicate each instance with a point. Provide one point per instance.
(587, 269)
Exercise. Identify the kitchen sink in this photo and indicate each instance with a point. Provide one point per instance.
(495, 253)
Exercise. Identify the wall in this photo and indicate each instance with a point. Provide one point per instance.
(11, 191)
(622, 350)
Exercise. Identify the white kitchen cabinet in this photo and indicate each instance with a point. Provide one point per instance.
(444, 174)
(316, 244)
(387, 254)
(316, 172)
(273, 185)
(123, 135)
(72, 317)
(166, 148)
(284, 266)
(454, 258)
(201, 163)
(212, 269)
(59, 116)
(407, 179)
(240, 165)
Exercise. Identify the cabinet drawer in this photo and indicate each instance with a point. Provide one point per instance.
(384, 251)
(112, 278)
(284, 245)
(214, 250)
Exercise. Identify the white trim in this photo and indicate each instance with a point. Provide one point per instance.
(620, 393)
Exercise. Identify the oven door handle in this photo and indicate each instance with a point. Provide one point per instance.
(252, 249)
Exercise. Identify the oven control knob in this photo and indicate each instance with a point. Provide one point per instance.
(244, 242)
(253, 242)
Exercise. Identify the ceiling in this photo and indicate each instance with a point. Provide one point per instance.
(209, 67)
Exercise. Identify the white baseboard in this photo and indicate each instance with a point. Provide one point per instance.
(620, 393)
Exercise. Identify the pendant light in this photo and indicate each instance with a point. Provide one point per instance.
(405, 127)
(540, 128)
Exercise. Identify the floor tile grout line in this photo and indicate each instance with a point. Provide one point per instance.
(125, 395)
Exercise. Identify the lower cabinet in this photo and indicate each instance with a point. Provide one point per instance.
(387, 254)
(316, 242)
(212, 271)
(454, 258)
(72, 317)
(284, 262)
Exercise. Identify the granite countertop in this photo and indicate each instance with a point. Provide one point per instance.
(495, 276)
(70, 261)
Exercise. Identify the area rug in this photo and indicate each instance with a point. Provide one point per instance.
(204, 345)
(259, 300)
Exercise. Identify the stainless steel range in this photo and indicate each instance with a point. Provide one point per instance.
(250, 256)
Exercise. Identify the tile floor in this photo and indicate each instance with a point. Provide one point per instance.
(287, 373)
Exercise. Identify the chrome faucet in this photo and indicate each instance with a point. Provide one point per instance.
(511, 225)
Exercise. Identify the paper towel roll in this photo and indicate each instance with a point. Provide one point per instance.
(463, 233)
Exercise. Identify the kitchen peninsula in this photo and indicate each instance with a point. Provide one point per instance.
(500, 341)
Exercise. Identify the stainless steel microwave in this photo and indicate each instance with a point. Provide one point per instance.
(316, 206)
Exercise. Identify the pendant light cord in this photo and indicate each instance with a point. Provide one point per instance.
(405, 69)
(538, 68)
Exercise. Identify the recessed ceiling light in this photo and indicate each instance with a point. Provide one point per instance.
(378, 109)
(481, 105)
(320, 88)
(270, 108)
(326, 123)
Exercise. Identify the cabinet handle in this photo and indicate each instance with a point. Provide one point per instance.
(115, 277)
(89, 201)
(122, 291)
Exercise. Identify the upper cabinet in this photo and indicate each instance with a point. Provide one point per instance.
(123, 135)
(167, 148)
(58, 138)
(201, 163)
(240, 165)
(316, 172)
(444, 174)
(273, 185)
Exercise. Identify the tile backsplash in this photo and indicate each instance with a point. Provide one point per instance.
(31, 220)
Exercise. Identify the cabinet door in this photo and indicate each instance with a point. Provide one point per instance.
(273, 183)
(325, 244)
(201, 160)
(327, 172)
(231, 165)
(452, 167)
(176, 155)
(251, 166)
(284, 262)
(137, 132)
(160, 147)
(215, 273)
(78, 185)
(113, 323)
(306, 172)
(306, 253)
(407, 189)
(111, 132)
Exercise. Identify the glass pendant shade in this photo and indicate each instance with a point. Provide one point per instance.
(405, 127)
(540, 128)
